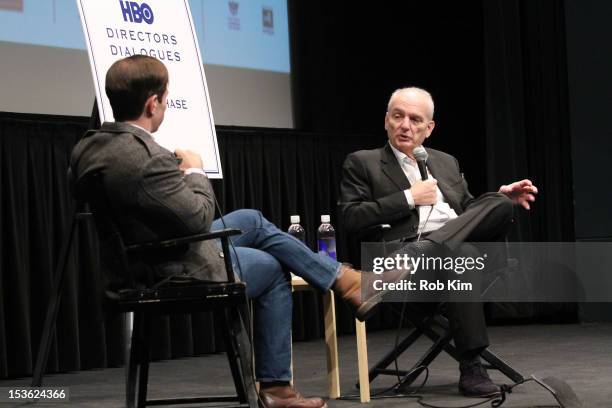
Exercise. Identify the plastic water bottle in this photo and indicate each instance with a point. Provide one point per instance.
(296, 230)
(326, 238)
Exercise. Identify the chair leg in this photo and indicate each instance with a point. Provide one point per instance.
(231, 351)
(331, 343)
(362, 361)
(443, 323)
(499, 364)
(128, 330)
(426, 359)
(143, 377)
(239, 356)
(418, 321)
(55, 298)
(388, 358)
(133, 362)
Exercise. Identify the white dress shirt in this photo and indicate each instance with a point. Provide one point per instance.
(441, 212)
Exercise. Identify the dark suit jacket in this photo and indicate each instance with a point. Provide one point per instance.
(372, 191)
(149, 196)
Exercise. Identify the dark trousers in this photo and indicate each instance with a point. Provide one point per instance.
(486, 220)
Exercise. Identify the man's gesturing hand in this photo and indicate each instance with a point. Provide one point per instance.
(520, 192)
(191, 160)
(424, 192)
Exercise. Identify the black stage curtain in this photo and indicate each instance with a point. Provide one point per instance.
(35, 208)
(528, 129)
(347, 59)
(527, 110)
(496, 70)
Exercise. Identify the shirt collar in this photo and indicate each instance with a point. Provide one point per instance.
(401, 157)
(143, 129)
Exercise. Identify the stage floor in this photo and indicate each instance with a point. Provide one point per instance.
(579, 354)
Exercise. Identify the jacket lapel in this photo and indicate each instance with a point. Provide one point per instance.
(392, 169)
(440, 173)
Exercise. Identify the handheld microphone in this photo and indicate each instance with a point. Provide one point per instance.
(420, 155)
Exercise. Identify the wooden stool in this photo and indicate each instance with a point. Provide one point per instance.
(331, 341)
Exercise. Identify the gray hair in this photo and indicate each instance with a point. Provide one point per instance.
(414, 89)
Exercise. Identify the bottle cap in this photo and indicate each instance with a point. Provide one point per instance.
(295, 219)
(325, 219)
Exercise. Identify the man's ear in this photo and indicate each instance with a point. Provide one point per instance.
(430, 127)
(151, 105)
(386, 120)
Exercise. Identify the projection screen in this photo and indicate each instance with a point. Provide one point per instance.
(244, 44)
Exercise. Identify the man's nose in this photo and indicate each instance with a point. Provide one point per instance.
(406, 124)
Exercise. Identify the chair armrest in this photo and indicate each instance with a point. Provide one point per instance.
(168, 243)
(373, 232)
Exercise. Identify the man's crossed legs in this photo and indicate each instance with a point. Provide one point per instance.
(261, 257)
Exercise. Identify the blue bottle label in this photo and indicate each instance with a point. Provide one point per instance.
(327, 246)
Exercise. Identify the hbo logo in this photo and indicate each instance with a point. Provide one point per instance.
(135, 13)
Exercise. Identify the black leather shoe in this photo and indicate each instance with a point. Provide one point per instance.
(475, 381)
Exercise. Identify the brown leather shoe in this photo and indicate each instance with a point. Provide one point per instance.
(357, 289)
(285, 396)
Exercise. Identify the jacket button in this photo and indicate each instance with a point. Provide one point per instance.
(221, 255)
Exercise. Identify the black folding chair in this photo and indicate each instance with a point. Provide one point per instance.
(429, 323)
(227, 301)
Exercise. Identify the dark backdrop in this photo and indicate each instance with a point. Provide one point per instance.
(590, 91)
(589, 70)
(350, 58)
(496, 69)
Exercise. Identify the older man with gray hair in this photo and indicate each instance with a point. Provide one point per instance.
(385, 186)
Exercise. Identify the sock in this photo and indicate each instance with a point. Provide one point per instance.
(472, 356)
(270, 384)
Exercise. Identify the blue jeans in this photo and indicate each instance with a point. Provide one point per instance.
(261, 256)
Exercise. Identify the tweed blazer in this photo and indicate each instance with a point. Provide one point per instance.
(150, 199)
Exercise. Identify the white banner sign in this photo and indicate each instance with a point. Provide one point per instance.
(162, 29)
